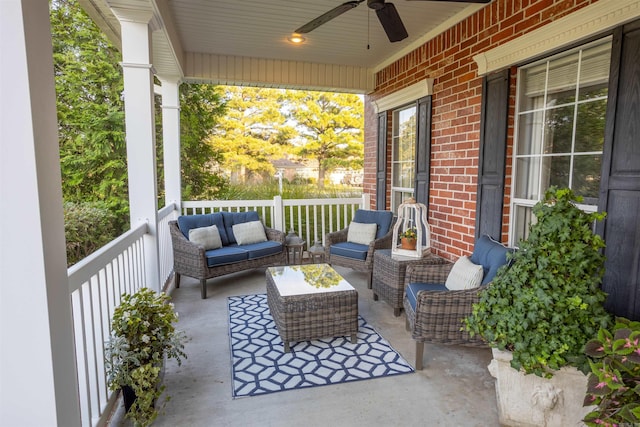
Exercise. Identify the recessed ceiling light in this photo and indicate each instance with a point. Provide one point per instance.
(296, 38)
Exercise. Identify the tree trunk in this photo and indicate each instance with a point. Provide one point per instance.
(320, 174)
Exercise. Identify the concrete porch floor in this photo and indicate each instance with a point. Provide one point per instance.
(453, 389)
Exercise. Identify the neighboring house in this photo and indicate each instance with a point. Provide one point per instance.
(289, 168)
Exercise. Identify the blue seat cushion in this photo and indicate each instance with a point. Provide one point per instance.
(413, 289)
(262, 249)
(350, 250)
(382, 218)
(188, 222)
(226, 255)
(491, 255)
(231, 218)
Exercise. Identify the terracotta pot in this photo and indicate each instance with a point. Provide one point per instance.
(408, 243)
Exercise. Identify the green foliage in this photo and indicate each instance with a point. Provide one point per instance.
(332, 126)
(409, 233)
(614, 381)
(87, 227)
(252, 133)
(89, 87)
(548, 303)
(295, 190)
(142, 335)
(201, 108)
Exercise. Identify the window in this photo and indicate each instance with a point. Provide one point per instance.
(560, 119)
(403, 155)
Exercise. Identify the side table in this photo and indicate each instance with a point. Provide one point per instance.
(388, 275)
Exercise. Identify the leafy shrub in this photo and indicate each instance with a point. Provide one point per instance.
(87, 227)
(614, 381)
(548, 303)
(142, 335)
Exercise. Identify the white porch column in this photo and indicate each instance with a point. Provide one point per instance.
(38, 384)
(140, 132)
(171, 141)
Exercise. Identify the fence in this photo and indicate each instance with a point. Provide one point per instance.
(311, 219)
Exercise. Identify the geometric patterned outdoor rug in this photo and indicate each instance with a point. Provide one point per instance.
(260, 365)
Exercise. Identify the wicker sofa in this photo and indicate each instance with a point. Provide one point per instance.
(193, 260)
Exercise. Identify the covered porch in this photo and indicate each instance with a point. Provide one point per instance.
(40, 330)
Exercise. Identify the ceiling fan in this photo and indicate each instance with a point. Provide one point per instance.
(386, 12)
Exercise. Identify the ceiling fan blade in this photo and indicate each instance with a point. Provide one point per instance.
(391, 22)
(326, 17)
(459, 1)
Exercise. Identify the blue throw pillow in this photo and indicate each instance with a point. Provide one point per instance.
(382, 218)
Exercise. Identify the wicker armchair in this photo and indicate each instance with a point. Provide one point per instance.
(434, 313)
(338, 251)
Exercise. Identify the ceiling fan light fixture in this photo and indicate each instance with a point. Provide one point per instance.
(296, 38)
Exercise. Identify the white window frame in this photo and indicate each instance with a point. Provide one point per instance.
(398, 193)
(515, 202)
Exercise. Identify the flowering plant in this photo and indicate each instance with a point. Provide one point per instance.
(142, 335)
(614, 381)
(409, 233)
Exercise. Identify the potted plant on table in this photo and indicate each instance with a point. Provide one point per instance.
(543, 308)
(142, 336)
(614, 381)
(408, 238)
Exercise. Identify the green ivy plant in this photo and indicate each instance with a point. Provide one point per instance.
(547, 303)
(614, 381)
(142, 336)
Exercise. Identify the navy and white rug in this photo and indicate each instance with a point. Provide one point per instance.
(260, 365)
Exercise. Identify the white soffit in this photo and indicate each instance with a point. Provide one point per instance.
(404, 96)
(586, 22)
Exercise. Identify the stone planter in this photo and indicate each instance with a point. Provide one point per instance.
(532, 401)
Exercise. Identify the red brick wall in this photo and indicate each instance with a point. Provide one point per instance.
(448, 59)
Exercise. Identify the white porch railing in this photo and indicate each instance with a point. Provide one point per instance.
(311, 219)
(97, 282)
(96, 285)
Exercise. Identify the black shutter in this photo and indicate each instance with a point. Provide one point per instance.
(381, 163)
(493, 146)
(423, 151)
(620, 185)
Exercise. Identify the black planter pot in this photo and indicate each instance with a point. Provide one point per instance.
(129, 396)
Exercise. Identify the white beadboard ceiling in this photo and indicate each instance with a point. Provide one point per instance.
(217, 33)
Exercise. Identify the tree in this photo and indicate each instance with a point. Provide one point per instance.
(252, 133)
(90, 107)
(331, 124)
(201, 107)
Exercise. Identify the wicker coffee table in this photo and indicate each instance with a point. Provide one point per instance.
(311, 301)
(388, 275)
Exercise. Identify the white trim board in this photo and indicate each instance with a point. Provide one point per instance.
(582, 24)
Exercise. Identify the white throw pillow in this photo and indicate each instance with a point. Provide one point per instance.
(464, 275)
(208, 237)
(249, 232)
(361, 233)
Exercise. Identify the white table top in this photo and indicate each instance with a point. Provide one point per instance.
(308, 279)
